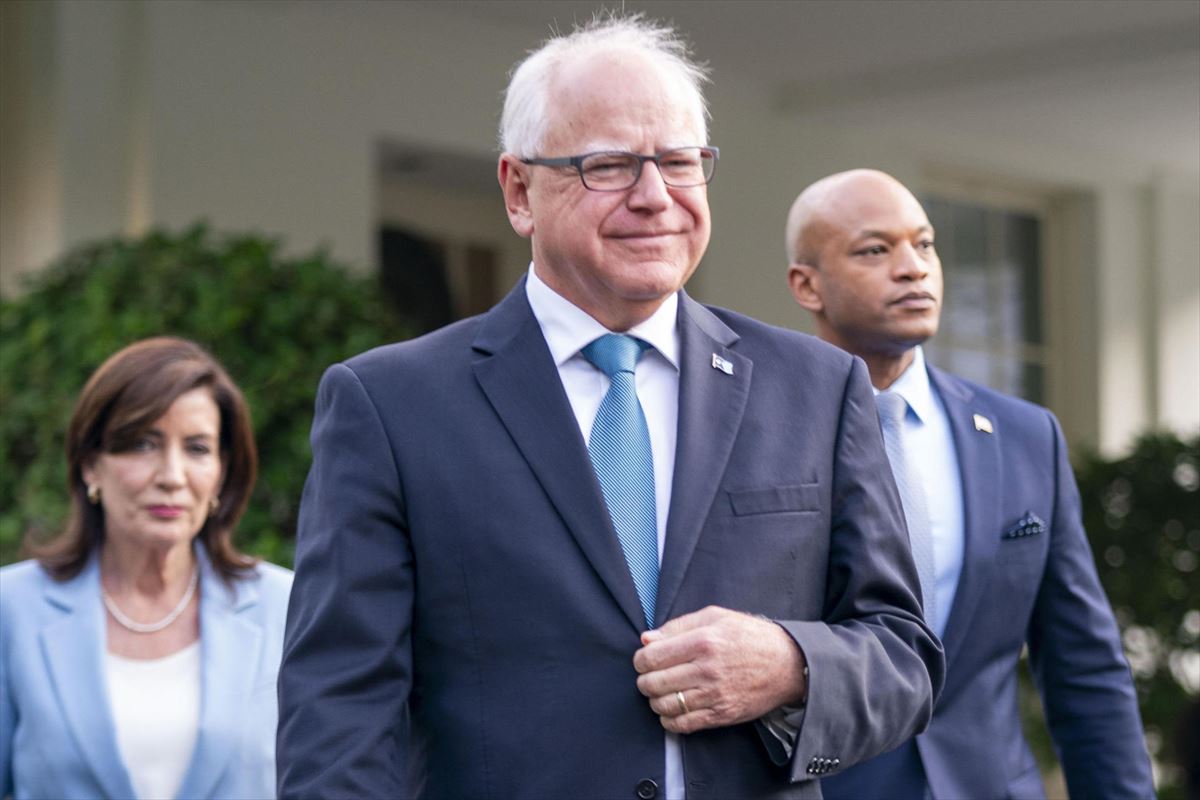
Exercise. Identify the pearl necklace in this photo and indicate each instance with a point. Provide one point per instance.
(152, 627)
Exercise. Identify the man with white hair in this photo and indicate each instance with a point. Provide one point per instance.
(601, 541)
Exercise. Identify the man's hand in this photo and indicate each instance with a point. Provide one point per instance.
(727, 666)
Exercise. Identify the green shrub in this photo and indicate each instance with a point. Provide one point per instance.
(274, 322)
(1142, 515)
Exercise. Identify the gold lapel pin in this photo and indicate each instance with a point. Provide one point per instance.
(982, 423)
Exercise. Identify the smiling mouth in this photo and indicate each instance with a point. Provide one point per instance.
(646, 235)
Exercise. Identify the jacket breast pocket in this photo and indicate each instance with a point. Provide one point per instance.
(798, 499)
(1022, 551)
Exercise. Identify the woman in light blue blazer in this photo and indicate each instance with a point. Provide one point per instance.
(139, 651)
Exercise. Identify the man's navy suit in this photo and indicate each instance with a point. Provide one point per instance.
(1028, 578)
(463, 621)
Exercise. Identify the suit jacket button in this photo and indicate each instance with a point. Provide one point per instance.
(646, 789)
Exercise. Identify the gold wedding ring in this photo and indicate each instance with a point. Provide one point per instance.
(683, 709)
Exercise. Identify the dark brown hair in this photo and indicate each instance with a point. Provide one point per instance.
(123, 398)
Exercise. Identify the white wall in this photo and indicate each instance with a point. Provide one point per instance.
(30, 169)
(267, 116)
(1125, 377)
(1175, 220)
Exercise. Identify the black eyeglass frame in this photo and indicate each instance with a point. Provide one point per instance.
(577, 163)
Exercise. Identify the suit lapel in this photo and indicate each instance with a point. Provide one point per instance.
(230, 650)
(711, 405)
(74, 648)
(979, 469)
(518, 375)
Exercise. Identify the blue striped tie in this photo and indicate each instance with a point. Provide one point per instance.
(892, 410)
(620, 451)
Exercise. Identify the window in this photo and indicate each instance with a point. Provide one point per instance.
(446, 249)
(991, 330)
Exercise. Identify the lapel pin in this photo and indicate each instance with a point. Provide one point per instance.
(722, 364)
(982, 423)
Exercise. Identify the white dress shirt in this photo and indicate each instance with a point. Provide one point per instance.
(568, 329)
(929, 446)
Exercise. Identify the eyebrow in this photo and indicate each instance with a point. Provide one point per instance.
(869, 234)
(609, 147)
(157, 434)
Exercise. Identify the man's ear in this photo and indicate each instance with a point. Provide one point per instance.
(514, 183)
(805, 283)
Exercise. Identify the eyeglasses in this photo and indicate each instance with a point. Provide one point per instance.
(615, 171)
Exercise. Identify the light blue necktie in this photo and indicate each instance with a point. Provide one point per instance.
(620, 451)
(892, 409)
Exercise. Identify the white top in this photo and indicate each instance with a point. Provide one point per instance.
(929, 446)
(568, 329)
(156, 711)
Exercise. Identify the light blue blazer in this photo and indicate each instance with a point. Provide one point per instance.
(57, 737)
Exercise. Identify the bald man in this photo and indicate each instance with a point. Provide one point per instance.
(990, 502)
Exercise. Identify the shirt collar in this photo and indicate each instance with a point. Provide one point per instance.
(913, 385)
(568, 328)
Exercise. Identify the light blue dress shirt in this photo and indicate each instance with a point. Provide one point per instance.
(568, 329)
(929, 444)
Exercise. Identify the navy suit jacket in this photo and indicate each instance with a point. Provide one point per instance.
(463, 621)
(1021, 584)
(57, 737)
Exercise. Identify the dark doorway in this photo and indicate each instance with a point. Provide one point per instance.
(412, 273)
